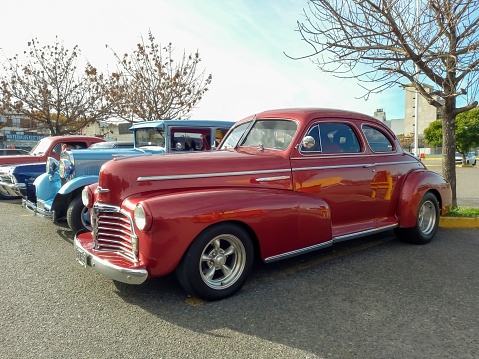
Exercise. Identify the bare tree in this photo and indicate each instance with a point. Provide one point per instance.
(385, 43)
(47, 89)
(151, 85)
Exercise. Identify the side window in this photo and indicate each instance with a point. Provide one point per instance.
(338, 138)
(377, 140)
(57, 149)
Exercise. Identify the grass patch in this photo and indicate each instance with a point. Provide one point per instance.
(468, 212)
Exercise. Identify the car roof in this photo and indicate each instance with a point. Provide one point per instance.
(183, 123)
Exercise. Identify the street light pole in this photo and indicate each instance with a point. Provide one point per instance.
(416, 99)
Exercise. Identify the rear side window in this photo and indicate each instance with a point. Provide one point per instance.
(378, 141)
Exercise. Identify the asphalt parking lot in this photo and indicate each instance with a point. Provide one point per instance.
(369, 298)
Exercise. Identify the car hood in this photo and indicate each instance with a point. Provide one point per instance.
(121, 178)
(14, 159)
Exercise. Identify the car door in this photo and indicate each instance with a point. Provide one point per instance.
(338, 170)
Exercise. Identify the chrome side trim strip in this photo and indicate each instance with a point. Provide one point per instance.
(363, 233)
(328, 243)
(208, 175)
(298, 252)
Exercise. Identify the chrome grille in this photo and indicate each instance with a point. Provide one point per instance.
(113, 231)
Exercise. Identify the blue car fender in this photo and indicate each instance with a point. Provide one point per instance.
(47, 186)
(77, 183)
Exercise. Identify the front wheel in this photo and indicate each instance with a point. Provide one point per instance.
(217, 263)
(427, 222)
(78, 217)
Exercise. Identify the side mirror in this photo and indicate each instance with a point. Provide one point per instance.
(308, 142)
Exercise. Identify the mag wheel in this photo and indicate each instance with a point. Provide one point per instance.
(427, 222)
(217, 263)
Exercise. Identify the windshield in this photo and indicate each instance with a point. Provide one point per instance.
(149, 137)
(41, 147)
(271, 134)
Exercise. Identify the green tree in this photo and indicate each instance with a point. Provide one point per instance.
(433, 133)
(150, 85)
(467, 132)
(45, 87)
(386, 43)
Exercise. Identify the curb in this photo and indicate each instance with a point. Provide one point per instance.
(458, 222)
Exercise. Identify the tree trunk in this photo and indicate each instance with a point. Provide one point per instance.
(448, 145)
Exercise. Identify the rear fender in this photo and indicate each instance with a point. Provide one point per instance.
(415, 186)
(279, 221)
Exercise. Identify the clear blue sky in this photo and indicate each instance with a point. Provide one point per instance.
(241, 43)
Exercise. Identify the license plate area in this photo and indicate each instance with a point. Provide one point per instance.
(82, 257)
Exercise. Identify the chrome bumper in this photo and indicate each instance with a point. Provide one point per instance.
(37, 209)
(12, 189)
(109, 270)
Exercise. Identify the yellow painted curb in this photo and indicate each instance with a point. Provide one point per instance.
(458, 222)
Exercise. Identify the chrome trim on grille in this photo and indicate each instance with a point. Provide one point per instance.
(113, 231)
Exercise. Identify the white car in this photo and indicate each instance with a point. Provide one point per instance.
(469, 160)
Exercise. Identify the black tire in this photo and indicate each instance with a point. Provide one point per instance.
(427, 222)
(217, 263)
(77, 215)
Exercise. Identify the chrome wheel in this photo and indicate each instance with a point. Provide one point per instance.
(222, 261)
(217, 263)
(427, 217)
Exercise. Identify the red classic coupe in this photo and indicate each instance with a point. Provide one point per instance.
(282, 183)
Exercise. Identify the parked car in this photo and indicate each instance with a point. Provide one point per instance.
(12, 152)
(283, 182)
(50, 147)
(17, 176)
(471, 159)
(114, 144)
(58, 190)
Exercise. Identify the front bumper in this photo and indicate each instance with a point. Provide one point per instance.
(12, 189)
(109, 264)
(38, 209)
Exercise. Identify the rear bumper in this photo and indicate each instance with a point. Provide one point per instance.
(109, 264)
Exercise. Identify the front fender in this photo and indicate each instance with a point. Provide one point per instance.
(78, 182)
(279, 221)
(414, 188)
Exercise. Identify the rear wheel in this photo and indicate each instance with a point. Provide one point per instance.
(217, 263)
(427, 222)
(77, 215)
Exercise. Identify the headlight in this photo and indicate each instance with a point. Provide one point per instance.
(142, 217)
(65, 168)
(52, 165)
(87, 197)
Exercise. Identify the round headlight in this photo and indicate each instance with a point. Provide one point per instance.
(65, 168)
(52, 165)
(142, 217)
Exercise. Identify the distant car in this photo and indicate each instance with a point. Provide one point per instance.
(113, 144)
(12, 152)
(471, 159)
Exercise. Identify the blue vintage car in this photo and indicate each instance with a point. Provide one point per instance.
(58, 190)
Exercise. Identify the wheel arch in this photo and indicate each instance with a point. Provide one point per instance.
(415, 187)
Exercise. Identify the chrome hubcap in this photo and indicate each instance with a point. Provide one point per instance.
(427, 217)
(222, 261)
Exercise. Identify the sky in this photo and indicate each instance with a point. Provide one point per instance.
(242, 43)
